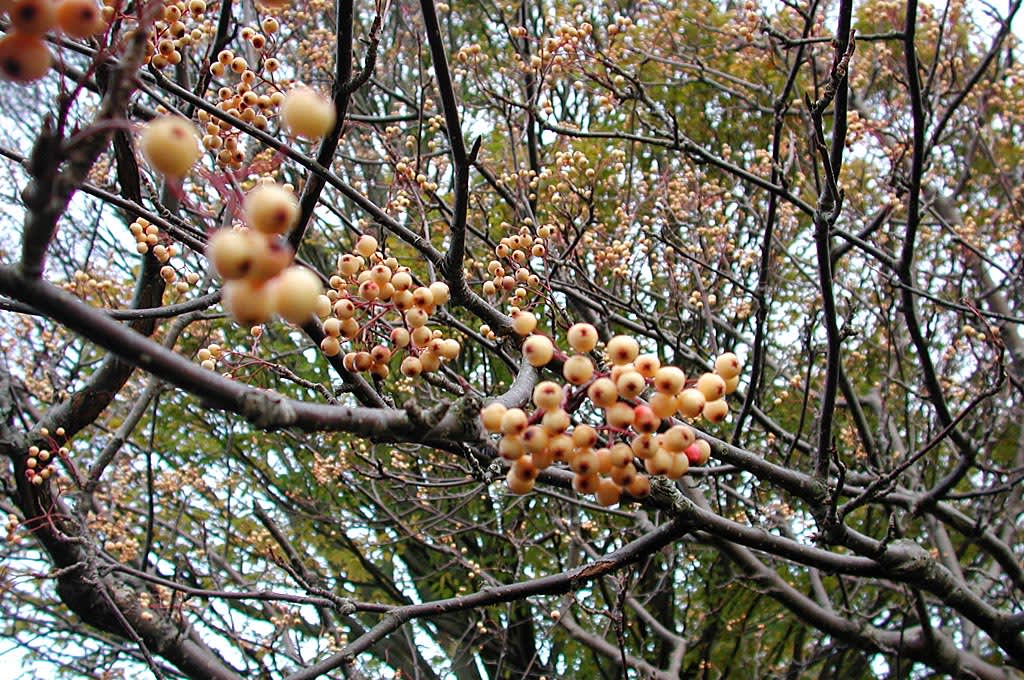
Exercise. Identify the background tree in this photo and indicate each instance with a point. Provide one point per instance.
(830, 190)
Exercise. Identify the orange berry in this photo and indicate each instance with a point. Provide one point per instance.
(679, 467)
(644, 445)
(584, 436)
(624, 475)
(585, 483)
(669, 379)
(677, 438)
(524, 468)
(620, 455)
(32, 17)
(555, 421)
(663, 405)
(560, 446)
(514, 421)
(603, 392)
(535, 438)
(171, 145)
(639, 487)
(23, 58)
(620, 414)
(330, 346)
(516, 484)
(584, 462)
(659, 463)
(608, 492)
(80, 18)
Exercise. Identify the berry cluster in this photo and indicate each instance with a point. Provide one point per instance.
(510, 269)
(12, 528)
(256, 263)
(373, 286)
(634, 396)
(303, 112)
(39, 466)
(180, 26)
(24, 56)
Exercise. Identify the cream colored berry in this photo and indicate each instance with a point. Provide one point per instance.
(538, 350)
(171, 145)
(271, 209)
(727, 366)
(622, 349)
(547, 395)
(578, 369)
(247, 302)
(294, 294)
(231, 253)
(491, 416)
(308, 114)
(690, 402)
(582, 337)
(366, 245)
(711, 386)
(524, 323)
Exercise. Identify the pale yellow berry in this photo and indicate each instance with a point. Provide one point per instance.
(491, 416)
(294, 294)
(622, 349)
(712, 386)
(171, 145)
(271, 209)
(247, 302)
(366, 245)
(727, 366)
(690, 402)
(308, 114)
(578, 369)
(716, 411)
(547, 395)
(231, 253)
(524, 323)
(582, 337)
(538, 350)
